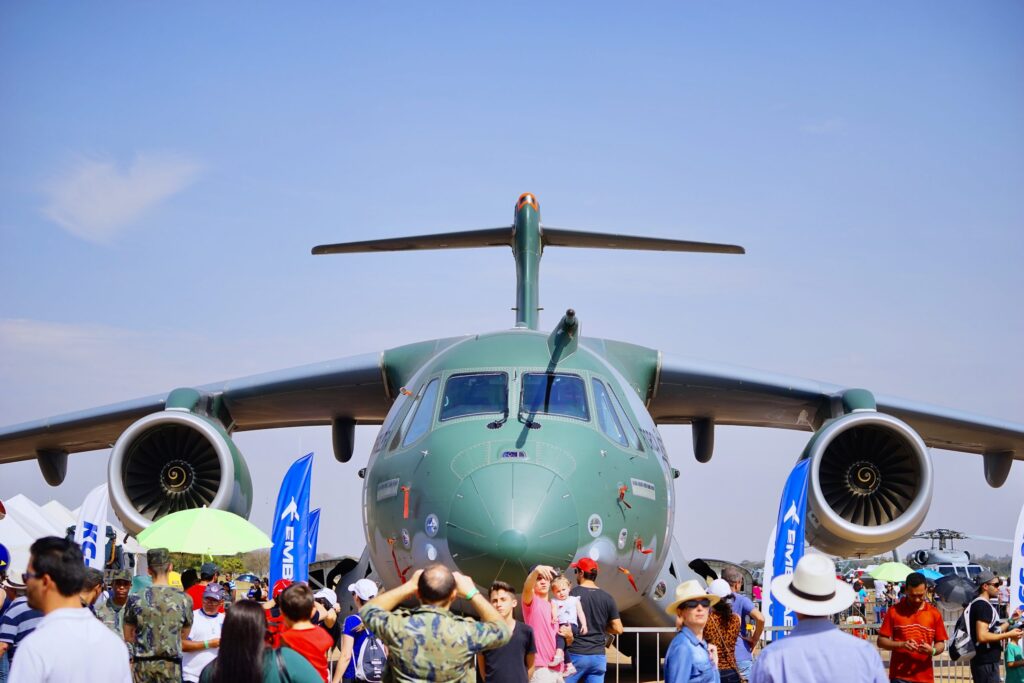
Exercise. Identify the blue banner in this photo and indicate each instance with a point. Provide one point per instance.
(789, 540)
(289, 558)
(314, 530)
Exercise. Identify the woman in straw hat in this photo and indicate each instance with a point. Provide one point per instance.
(690, 658)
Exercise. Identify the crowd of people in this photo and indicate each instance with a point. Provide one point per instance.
(67, 628)
(912, 629)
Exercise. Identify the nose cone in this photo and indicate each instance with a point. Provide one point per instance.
(509, 516)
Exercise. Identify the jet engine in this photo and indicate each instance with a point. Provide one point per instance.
(175, 460)
(870, 484)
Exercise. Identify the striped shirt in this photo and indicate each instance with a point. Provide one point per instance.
(18, 621)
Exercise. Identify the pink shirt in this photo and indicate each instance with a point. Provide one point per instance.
(537, 615)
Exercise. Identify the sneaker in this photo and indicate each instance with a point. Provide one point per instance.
(558, 658)
(570, 670)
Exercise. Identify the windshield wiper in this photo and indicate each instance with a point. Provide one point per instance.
(530, 424)
(497, 423)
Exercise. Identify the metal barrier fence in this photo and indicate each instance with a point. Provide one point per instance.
(621, 667)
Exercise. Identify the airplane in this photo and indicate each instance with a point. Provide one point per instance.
(502, 450)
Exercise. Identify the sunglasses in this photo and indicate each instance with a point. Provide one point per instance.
(25, 576)
(995, 584)
(693, 604)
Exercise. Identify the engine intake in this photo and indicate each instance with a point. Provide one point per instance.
(175, 460)
(870, 484)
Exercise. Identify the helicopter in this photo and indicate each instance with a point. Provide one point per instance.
(943, 558)
(507, 449)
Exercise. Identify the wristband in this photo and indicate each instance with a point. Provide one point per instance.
(472, 594)
(933, 650)
(206, 645)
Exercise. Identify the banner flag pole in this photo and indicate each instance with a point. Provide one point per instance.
(91, 529)
(289, 557)
(788, 546)
(1017, 567)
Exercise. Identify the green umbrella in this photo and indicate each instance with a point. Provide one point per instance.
(204, 531)
(893, 572)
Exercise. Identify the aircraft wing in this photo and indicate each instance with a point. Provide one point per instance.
(352, 388)
(687, 390)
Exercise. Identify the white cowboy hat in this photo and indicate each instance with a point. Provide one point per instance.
(689, 590)
(813, 588)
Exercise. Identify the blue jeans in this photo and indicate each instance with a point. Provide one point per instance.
(743, 667)
(4, 666)
(589, 669)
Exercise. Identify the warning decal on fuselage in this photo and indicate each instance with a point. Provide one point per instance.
(643, 489)
(387, 489)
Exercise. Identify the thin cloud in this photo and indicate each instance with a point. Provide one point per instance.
(830, 126)
(95, 200)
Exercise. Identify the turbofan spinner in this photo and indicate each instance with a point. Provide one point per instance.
(175, 460)
(870, 484)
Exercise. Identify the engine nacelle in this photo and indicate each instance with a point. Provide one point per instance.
(175, 460)
(870, 484)
(920, 557)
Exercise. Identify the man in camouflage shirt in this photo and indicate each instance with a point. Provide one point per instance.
(430, 643)
(155, 621)
(111, 612)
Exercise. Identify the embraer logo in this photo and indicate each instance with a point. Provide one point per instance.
(791, 515)
(292, 511)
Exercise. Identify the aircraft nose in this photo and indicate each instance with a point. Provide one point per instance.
(509, 516)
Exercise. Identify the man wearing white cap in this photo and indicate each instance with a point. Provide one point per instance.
(353, 633)
(815, 650)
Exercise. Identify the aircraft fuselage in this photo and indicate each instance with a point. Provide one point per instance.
(493, 460)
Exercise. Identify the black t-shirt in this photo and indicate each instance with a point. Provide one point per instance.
(507, 664)
(333, 631)
(600, 609)
(988, 653)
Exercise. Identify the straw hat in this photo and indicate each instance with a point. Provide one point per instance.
(689, 590)
(813, 588)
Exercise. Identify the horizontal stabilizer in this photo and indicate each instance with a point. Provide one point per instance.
(557, 237)
(488, 237)
(503, 237)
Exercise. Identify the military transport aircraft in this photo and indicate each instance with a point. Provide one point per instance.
(506, 449)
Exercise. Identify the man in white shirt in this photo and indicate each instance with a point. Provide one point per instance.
(69, 645)
(199, 647)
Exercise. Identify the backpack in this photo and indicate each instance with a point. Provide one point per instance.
(961, 645)
(372, 660)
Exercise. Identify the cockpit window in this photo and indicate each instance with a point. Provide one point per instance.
(555, 394)
(422, 415)
(474, 394)
(606, 417)
(631, 435)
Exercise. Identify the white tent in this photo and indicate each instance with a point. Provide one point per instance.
(31, 517)
(59, 515)
(26, 521)
(17, 541)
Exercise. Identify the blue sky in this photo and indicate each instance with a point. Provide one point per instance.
(165, 172)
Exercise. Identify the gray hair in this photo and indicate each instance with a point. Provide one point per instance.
(732, 575)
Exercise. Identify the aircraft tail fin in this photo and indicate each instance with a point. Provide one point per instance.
(527, 238)
(504, 237)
